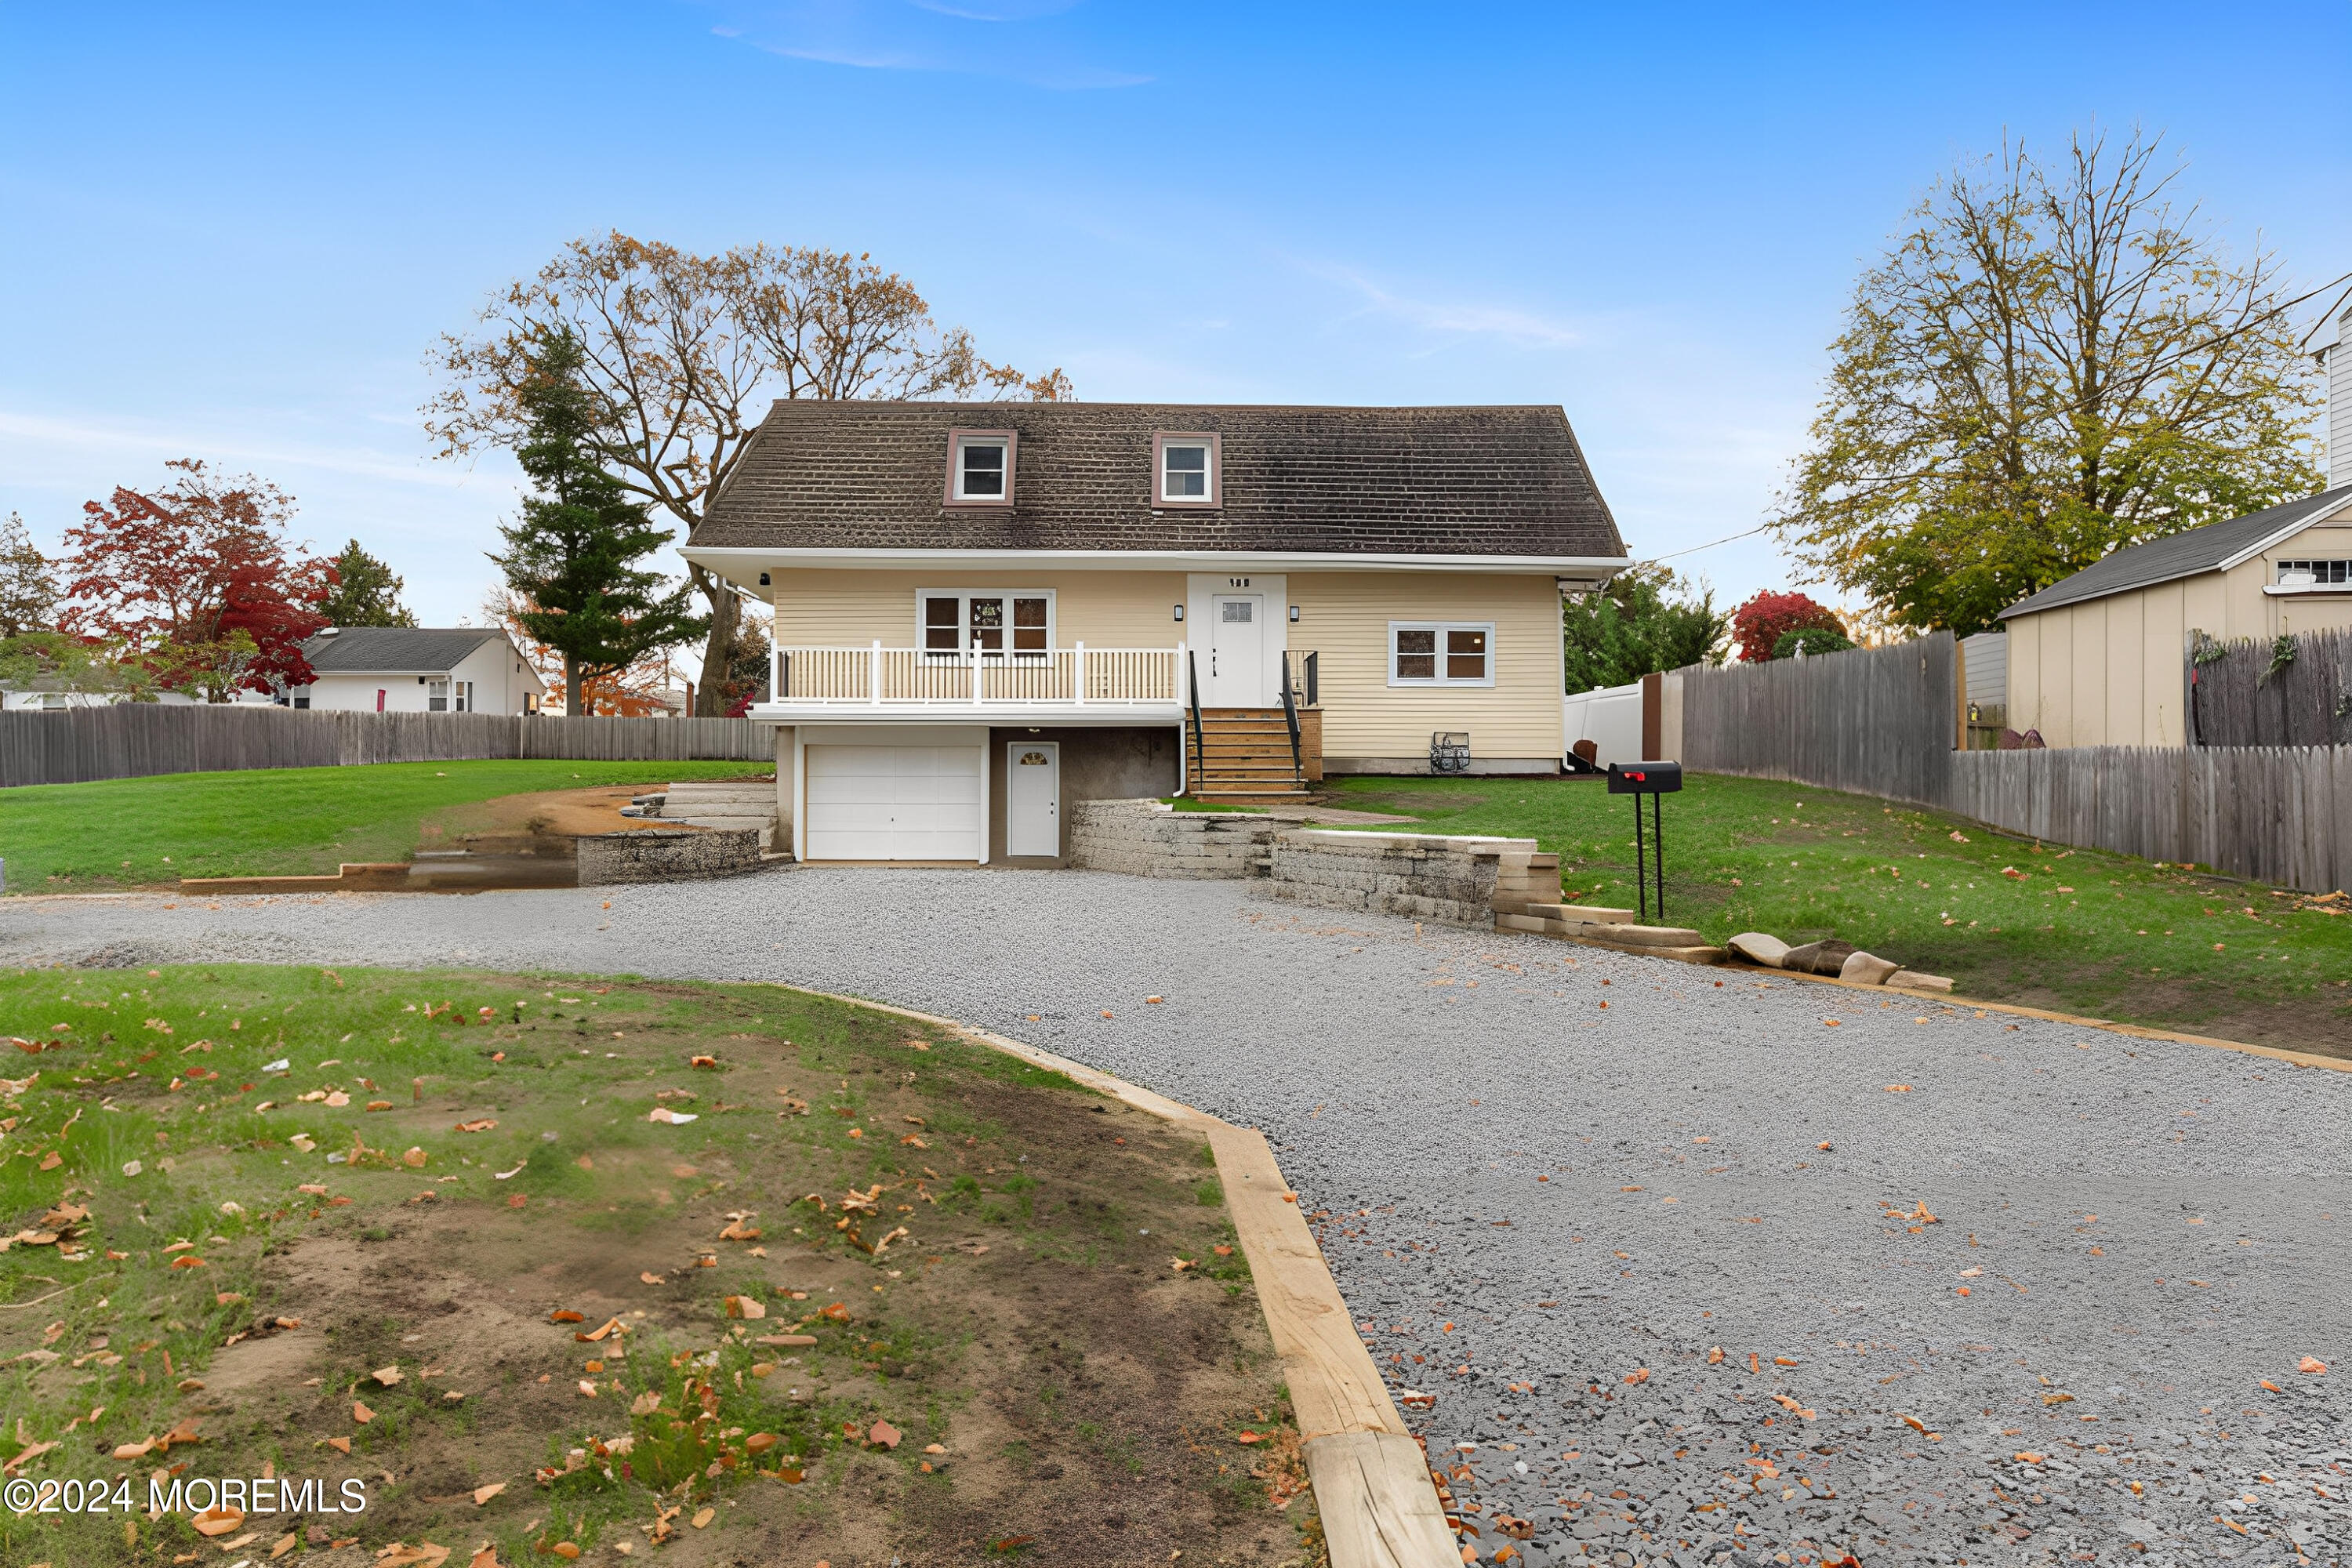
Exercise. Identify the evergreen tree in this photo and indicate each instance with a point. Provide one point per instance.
(572, 557)
(1633, 628)
(366, 593)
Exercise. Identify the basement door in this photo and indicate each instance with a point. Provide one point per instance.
(893, 803)
(1032, 797)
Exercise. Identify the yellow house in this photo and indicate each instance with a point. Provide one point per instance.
(2101, 659)
(986, 613)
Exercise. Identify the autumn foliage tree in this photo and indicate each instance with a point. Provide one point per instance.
(679, 354)
(196, 584)
(1758, 625)
(2057, 361)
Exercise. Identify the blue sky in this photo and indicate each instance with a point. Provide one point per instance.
(234, 231)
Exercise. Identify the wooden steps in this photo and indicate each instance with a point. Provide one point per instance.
(1243, 756)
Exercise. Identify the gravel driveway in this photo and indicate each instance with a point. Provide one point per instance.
(1661, 1251)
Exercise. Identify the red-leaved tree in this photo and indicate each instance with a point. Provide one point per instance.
(1768, 617)
(197, 584)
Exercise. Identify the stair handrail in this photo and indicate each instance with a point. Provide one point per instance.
(1193, 692)
(1290, 713)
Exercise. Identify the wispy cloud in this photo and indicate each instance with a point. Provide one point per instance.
(1014, 39)
(1454, 317)
(35, 435)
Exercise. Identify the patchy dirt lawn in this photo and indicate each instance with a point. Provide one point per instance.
(863, 1294)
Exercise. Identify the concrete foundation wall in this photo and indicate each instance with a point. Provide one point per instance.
(658, 855)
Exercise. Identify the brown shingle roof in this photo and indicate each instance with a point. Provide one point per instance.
(1437, 481)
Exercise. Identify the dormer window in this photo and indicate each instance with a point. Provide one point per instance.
(1184, 472)
(980, 468)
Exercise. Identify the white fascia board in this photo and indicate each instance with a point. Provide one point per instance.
(2284, 534)
(742, 559)
(1091, 716)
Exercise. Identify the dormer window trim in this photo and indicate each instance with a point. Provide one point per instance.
(1213, 477)
(960, 475)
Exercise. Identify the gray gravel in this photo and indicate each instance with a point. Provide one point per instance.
(2146, 1231)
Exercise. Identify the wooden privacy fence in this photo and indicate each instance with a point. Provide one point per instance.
(2279, 814)
(136, 740)
(1876, 720)
(1882, 720)
(2240, 700)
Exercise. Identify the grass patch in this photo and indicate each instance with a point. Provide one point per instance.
(2076, 930)
(1186, 803)
(276, 822)
(877, 1289)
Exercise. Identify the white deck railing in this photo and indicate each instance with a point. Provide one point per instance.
(879, 677)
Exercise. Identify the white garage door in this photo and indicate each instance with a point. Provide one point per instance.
(893, 803)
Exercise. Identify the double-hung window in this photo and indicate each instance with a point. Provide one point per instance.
(980, 468)
(991, 623)
(1440, 653)
(436, 696)
(1185, 471)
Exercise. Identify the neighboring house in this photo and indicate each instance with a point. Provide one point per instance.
(2101, 659)
(413, 669)
(987, 613)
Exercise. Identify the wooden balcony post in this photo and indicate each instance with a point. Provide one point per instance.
(874, 676)
(1078, 688)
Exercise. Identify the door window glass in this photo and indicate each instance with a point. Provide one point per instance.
(987, 624)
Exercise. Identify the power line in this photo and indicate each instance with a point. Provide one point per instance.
(1710, 544)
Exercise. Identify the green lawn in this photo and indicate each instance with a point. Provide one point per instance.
(267, 823)
(2072, 929)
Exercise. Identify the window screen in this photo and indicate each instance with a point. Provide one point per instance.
(1416, 654)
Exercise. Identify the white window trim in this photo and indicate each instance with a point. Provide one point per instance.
(963, 597)
(955, 461)
(1441, 628)
(1213, 477)
(1208, 450)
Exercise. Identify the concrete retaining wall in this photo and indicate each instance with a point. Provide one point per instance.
(671, 855)
(1145, 838)
(1431, 877)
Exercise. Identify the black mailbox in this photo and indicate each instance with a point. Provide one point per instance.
(1645, 778)
(1651, 779)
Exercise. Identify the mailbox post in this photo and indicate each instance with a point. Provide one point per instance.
(1653, 780)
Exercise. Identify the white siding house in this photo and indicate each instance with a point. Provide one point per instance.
(406, 669)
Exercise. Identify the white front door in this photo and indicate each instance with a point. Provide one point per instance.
(1033, 798)
(1237, 656)
(893, 803)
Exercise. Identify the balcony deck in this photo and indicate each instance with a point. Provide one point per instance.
(1069, 685)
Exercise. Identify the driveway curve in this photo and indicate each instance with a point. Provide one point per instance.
(1683, 1270)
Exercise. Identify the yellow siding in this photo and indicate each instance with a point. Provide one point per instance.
(1344, 617)
(852, 608)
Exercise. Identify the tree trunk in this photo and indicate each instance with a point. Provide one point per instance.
(572, 685)
(719, 650)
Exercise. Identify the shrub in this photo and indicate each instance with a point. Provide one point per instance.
(1813, 640)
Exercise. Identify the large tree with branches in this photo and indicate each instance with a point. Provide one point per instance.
(2053, 363)
(679, 352)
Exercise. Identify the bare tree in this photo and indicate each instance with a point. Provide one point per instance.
(2053, 363)
(680, 351)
